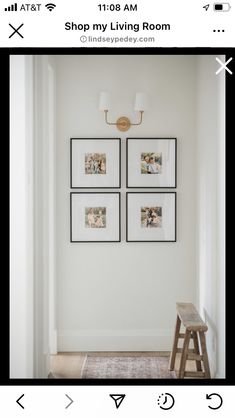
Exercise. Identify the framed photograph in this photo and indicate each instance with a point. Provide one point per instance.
(151, 162)
(151, 217)
(95, 163)
(95, 217)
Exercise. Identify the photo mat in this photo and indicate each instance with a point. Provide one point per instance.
(95, 163)
(151, 163)
(95, 217)
(151, 217)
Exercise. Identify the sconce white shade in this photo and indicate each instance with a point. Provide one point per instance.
(141, 102)
(104, 102)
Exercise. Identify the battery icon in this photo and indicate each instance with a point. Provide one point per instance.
(221, 7)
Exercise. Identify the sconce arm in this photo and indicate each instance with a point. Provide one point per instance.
(123, 123)
(141, 119)
(106, 118)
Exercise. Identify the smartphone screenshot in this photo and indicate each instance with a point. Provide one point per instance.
(118, 299)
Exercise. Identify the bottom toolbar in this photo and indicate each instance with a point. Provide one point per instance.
(108, 401)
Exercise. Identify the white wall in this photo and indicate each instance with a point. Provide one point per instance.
(21, 217)
(210, 171)
(122, 296)
(32, 215)
(44, 228)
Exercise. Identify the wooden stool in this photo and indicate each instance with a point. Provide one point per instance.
(195, 329)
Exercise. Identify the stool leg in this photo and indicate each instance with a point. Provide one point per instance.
(175, 343)
(204, 354)
(184, 354)
(197, 351)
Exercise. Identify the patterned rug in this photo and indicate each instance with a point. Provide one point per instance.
(106, 367)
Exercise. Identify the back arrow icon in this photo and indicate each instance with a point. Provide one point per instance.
(210, 396)
(70, 403)
(19, 400)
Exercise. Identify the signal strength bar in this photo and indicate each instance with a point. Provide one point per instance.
(12, 8)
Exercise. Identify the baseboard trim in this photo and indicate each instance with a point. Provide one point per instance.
(110, 340)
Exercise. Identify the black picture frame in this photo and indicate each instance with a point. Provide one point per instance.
(175, 217)
(73, 186)
(128, 186)
(95, 193)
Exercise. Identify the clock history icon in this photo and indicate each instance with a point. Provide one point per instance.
(166, 401)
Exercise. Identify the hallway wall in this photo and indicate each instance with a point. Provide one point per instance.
(211, 206)
(44, 215)
(121, 296)
(21, 217)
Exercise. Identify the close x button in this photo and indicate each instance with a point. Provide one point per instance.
(16, 30)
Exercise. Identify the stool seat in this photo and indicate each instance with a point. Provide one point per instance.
(190, 318)
(195, 329)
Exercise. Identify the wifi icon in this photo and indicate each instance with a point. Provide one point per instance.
(50, 6)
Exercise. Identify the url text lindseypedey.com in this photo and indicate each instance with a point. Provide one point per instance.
(116, 39)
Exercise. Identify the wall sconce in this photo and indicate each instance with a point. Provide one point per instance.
(123, 123)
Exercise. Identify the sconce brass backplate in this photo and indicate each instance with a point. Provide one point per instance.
(123, 124)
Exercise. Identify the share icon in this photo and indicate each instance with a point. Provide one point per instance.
(117, 399)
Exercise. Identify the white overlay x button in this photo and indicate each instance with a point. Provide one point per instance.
(223, 65)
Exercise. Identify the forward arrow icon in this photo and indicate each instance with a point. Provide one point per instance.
(70, 403)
